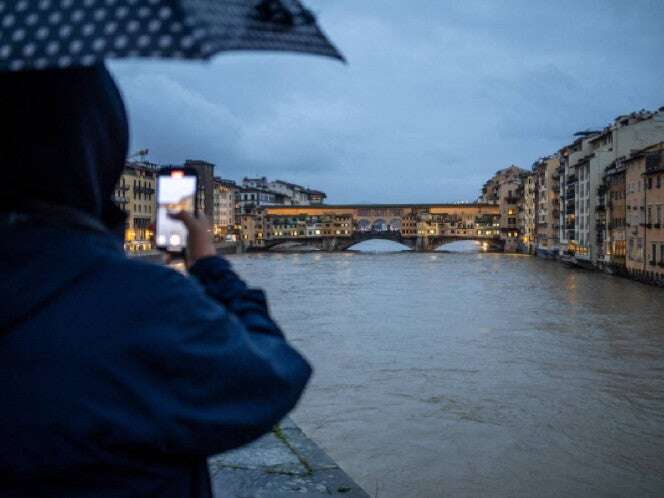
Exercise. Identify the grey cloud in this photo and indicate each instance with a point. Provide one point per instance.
(436, 98)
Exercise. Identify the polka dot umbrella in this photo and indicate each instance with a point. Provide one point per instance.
(41, 34)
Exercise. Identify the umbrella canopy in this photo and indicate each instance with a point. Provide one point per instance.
(42, 34)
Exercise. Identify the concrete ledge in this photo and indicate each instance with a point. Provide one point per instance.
(282, 464)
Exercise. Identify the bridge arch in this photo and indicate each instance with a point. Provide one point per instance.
(372, 236)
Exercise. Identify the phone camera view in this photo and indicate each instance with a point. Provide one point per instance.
(176, 193)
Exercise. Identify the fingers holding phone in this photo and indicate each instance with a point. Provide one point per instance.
(199, 235)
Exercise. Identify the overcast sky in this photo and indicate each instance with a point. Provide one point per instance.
(436, 97)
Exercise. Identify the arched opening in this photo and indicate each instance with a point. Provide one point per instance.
(394, 225)
(463, 246)
(379, 246)
(363, 225)
(379, 225)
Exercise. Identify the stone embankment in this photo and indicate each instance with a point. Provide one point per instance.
(282, 464)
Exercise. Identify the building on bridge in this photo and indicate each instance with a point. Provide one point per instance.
(422, 227)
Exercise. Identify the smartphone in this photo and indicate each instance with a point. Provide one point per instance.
(176, 191)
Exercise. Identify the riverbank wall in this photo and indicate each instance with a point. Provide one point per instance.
(282, 464)
(641, 276)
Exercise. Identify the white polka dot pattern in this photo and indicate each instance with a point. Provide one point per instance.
(40, 34)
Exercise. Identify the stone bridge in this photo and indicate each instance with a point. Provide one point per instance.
(421, 227)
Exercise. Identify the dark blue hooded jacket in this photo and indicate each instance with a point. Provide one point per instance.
(119, 377)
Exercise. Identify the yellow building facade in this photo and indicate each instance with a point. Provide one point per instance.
(135, 194)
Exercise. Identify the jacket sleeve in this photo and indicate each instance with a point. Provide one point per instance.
(223, 285)
(214, 372)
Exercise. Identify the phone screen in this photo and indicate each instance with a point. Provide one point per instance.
(175, 192)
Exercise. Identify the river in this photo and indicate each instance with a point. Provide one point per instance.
(473, 374)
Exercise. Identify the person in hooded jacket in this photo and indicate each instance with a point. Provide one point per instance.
(119, 377)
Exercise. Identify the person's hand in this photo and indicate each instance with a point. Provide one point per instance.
(199, 241)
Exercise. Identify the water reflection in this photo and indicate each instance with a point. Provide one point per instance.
(476, 374)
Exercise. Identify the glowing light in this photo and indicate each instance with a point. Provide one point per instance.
(161, 240)
(175, 239)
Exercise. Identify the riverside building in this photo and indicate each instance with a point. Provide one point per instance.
(529, 215)
(135, 195)
(505, 189)
(547, 214)
(616, 211)
(585, 236)
(205, 194)
(223, 220)
(653, 157)
(288, 194)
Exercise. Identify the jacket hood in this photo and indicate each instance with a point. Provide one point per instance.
(67, 140)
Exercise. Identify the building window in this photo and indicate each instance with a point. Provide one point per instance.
(653, 255)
